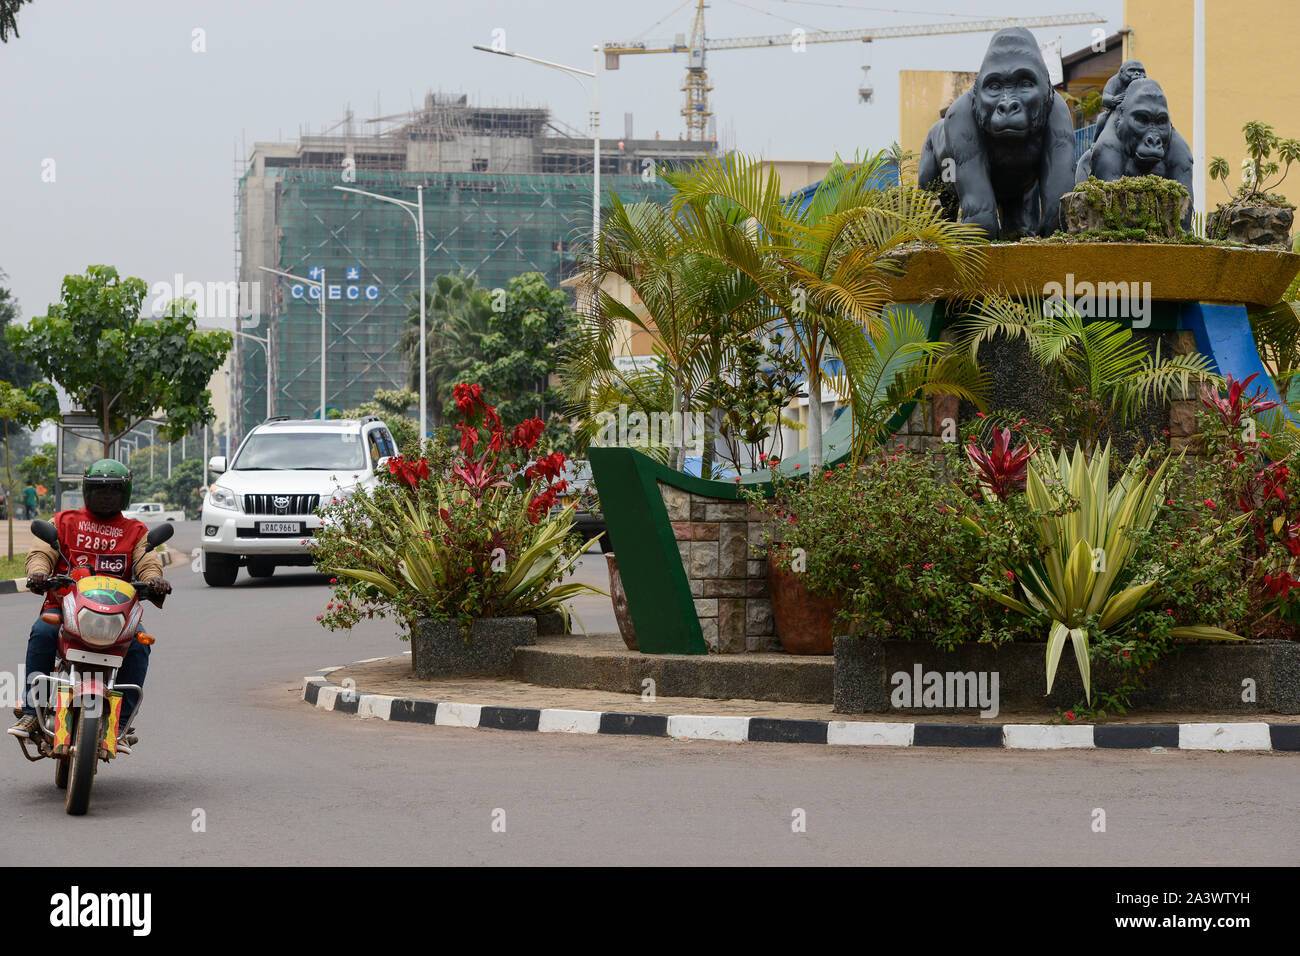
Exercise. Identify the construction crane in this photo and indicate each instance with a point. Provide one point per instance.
(696, 108)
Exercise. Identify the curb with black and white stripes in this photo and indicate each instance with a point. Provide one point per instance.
(322, 693)
(19, 585)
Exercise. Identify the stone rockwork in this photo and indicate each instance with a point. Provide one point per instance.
(1254, 225)
(717, 539)
(729, 585)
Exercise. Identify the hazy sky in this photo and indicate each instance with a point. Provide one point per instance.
(144, 132)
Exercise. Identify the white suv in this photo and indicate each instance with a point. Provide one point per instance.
(262, 511)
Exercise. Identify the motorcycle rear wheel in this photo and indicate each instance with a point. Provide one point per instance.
(85, 752)
(61, 772)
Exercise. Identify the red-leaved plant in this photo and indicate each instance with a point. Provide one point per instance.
(1001, 470)
(472, 533)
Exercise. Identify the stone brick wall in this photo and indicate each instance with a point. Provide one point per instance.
(728, 583)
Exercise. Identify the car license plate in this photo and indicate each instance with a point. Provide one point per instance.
(279, 527)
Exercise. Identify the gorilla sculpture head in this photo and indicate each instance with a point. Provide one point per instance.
(1003, 155)
(1142, 123)
(1113, 94)
(1140, 140)
(1012, 92)
(1129, 71)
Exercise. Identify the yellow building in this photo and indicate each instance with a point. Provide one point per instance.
(1249, 46)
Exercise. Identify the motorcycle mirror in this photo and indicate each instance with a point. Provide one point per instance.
(160, 534)
(46, 532)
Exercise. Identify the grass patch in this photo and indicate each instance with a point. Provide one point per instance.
(12, 569)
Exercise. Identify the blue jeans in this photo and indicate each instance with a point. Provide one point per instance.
(43, 643)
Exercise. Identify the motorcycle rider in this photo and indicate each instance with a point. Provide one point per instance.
(100, 538)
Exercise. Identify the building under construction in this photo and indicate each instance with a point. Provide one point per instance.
(507, 190)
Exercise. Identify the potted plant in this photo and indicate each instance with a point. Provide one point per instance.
(1254, 215)
(464, 547)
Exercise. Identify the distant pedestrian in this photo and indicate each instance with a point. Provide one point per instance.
(29, 500)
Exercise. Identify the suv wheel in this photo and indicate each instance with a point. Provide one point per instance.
(260, 568)
(220, 570)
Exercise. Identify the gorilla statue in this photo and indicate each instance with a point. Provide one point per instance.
(1116, 87)
(1140, 141)
(1003, 155)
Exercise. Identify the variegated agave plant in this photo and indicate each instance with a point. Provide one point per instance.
(1084, 568)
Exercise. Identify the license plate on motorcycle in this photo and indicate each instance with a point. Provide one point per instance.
(279, 527)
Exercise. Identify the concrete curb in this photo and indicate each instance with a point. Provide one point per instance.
(19, 585)
(324, 695)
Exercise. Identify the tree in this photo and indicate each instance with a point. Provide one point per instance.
(392, 406)
(9, 18)
(457, 314)
(691, 304)
(521, 349)
(38, 467)
(119, 367)
(822, 270)
(12, 369)
(182, 488)
(26, 408)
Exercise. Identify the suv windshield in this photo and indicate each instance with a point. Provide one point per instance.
(301, 451)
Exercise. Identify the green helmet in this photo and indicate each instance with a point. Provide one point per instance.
(106, 488)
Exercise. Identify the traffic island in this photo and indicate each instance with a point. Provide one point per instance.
(384, 688)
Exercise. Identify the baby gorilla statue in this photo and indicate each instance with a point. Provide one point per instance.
(1113, 94)
(1003, 154)
(1140, 141)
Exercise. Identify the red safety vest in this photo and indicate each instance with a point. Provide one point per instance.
(99, 545)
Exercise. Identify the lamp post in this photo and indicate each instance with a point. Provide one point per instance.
(416, 211)
(321, 284)
(266, 344)
(573, 71)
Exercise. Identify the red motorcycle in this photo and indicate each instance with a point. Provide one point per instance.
(78, 705)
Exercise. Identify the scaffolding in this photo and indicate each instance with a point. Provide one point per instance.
(507, 190)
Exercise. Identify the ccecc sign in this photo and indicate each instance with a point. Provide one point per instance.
(350, 290)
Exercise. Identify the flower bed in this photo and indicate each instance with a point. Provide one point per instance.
(453, 535)
(1001, 542)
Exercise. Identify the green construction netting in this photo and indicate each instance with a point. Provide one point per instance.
(489, 225)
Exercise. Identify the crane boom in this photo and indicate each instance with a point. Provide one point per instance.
(866, 35)
(696, 86)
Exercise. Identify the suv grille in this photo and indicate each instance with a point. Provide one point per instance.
(281, 504)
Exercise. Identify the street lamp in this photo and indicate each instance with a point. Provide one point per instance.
(316, 282)
(594, 73)
(266, 344)
(416, 211)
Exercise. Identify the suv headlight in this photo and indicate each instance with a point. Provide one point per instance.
(220, 497)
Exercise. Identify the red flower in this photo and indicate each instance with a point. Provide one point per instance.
(525, 434)
(1011, 575)
(467, 397)
(1069, 715)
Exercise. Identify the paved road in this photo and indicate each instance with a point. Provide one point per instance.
(281, 783)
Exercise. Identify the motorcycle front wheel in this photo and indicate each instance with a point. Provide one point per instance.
(61, 772)
(81, 775)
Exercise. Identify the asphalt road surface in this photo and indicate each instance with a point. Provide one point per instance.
(226, 740)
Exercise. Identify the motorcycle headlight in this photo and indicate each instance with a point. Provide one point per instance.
(101, 629)
(220, 497)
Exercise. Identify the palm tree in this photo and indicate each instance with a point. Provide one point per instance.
(821, 272)
(689, 303)
(1119, 374)
(9, 18)
(458, 311)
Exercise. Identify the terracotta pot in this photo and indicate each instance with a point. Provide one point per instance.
(619, 597)
(804, 621)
